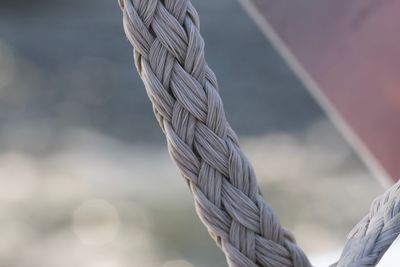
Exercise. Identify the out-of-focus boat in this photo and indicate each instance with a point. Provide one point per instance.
(347, 53)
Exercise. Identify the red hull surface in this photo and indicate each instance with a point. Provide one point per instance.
(348, 54)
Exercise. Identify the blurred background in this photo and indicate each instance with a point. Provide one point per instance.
(79, 142)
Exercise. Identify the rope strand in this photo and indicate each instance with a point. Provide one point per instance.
(373, 235)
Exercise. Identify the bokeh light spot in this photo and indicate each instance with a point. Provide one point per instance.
(96, 222)
(177, 263)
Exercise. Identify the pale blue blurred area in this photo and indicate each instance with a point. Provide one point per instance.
(85, 178)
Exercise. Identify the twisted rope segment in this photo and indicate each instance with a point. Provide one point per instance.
(169, 56)
(373, 235)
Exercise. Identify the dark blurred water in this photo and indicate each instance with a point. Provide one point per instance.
(74, 68)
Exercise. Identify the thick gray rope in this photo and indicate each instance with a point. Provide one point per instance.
(169, 56)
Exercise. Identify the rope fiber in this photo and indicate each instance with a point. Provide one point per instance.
(169, 56)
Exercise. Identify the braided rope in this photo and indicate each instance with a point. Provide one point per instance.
(373, 235)
(169, 56)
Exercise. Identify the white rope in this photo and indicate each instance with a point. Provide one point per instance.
(374, 234)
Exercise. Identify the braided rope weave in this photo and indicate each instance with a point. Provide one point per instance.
(374, 234)
(169, 56)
